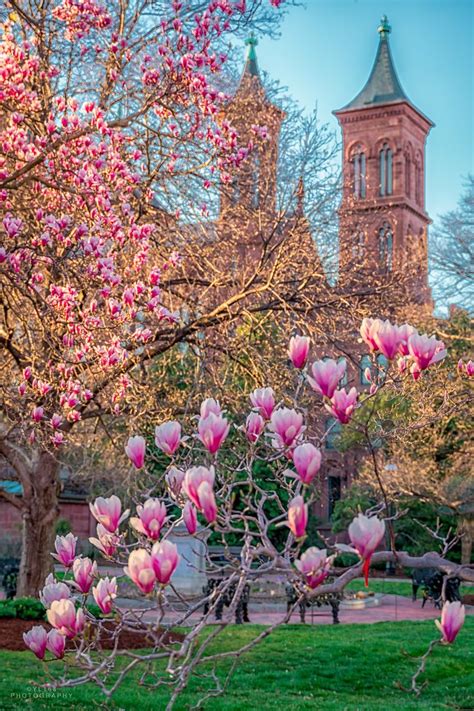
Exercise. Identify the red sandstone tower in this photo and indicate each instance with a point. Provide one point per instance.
(254, 185)
(383, 222)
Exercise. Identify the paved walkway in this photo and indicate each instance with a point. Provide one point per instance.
(392, 608)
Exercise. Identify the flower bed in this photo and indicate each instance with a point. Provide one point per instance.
(12, 629)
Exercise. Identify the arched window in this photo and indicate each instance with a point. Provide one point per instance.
(365, 362)
(335, 429)
(359, 165)
(408, 174)
(418, 181)
(382, 365)
(386, 246)
(358, 245)
(334, 493)
(386, 171)
(343, 380)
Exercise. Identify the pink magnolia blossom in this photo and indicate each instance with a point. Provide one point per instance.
(402, 364)
(56, 643)
(84, 571)
(53, 591)
(365, 533)
(387, 338)
(208, 501)
(452, 619)
(263, 399)
(287, 426)
(298, 350)
(164, 558)
(168, 437)
(105, 593)
(307, 461)
(194, 478)
(174, 478)
(367, 330)
(343, 405)
(326, 376)
(314, 565)
(65, 549)
(108, 512)
(37, 414)
(56, 421)
(404, 332)
(213, 430)
(140, 570)
(190, 517)
(62, 615)
(415, 371)
(135, 451)
(36, 639)
(298, 516)
(151, 517)
(210, 405)
(106, 542)
(254, 426)
(425, 351)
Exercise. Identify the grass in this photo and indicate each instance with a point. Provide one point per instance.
(322, 668)
(394, 587)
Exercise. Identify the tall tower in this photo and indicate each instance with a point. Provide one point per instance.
(254, 184)
(383, 221)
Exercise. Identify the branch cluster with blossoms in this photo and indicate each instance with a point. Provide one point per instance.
(210, 469)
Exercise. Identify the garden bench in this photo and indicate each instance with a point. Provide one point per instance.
(431, 580)
(225, 599)
(293, 594)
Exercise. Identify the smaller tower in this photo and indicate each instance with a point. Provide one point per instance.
(254, 184)
(383, 221)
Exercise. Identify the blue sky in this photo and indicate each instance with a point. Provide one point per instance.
(327, 49)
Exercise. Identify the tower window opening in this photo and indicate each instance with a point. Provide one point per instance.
(408, 175)
(334, 493)
(386, 170)
(360, 174)
(358, 245)
(386, 247)
(418, 182)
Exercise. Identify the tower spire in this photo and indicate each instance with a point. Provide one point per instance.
(251, 66)
(383, 85)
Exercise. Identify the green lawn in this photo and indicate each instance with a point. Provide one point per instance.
(353, 667)
(394, 587)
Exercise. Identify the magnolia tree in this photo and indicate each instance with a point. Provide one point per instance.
(105, 110)
(211, 484)
(112, 133)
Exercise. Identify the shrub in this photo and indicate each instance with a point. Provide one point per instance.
(7, 608)
(29, 608)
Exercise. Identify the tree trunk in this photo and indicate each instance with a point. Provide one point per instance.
(39, 517)
(467, 530)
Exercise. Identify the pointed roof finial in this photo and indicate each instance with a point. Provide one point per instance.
(251, 66)
(384, 28)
